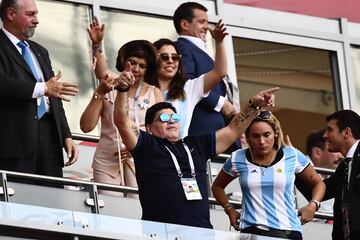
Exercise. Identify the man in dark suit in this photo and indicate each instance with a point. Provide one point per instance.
(32, 119)
(191, 23)
(343, 134)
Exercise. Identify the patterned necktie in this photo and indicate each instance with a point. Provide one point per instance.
(25, 52)
(345, 201)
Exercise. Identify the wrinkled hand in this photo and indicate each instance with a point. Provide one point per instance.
(96, 31)
(307, 213)
(72, 151)
(234, 216)
(106, 85)
(219, 31)
(228, 109)
(126, 77)
(57, 89)
(265, 98)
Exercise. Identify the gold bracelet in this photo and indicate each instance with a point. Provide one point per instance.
(97, 97)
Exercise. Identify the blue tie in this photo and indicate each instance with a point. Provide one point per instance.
(25, 52)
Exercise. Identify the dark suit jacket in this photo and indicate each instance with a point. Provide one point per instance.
(18, 114)
(334, 186)
(197, 62)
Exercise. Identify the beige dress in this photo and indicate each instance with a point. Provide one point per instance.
(106, 162)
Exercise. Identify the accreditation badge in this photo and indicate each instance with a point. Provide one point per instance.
(191, 189)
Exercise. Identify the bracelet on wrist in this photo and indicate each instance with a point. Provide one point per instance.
(97, 47)
(227, 207)
(316, 202)
(121, 89)
(252, 105)
(97, 96)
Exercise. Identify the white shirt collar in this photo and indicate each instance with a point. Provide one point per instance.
(197, 42)
(13, 39)
(350, 153)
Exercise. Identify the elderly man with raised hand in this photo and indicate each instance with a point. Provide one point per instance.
(32, 116)
(166, 166)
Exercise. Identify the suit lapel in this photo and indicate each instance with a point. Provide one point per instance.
(355, 168)
(14, 53)
(196, 49)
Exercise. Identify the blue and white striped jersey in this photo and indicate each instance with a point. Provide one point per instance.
(268, 199)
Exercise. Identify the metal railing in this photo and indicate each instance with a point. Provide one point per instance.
(92, 189)
(125, 189)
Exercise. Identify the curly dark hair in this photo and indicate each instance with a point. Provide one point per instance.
(176, 86)
(140, 49)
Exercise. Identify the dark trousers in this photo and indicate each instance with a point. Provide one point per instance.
(44, 156)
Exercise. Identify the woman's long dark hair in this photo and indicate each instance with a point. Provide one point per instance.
(177, 83)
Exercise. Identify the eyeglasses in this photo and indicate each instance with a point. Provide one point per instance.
(264, 115)
(166, 57)
(165, 117)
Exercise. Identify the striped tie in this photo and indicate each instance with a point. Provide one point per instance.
(345, 201)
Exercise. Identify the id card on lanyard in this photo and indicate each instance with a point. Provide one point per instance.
(189, 185)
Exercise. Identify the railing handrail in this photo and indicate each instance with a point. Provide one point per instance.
(110, 187)
(222, 156)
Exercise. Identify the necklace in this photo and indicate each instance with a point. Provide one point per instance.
(264, 167)
(263, 170)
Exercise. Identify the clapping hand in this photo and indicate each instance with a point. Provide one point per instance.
(126, 77)
(96, 31)
(106, 85)
(219, 31)
(57, 89)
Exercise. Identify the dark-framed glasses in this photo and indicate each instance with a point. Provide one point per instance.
(264, 115)
(165, 117)
(166, 57)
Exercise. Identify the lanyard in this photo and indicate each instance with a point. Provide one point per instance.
(136, 109)
(191, 162)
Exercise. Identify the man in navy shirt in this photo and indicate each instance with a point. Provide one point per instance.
(166, 166)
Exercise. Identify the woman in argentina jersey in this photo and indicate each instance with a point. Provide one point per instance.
(266, 172)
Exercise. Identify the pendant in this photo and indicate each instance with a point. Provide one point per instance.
(262, 171)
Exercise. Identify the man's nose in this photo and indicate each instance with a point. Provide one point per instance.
(35, 20)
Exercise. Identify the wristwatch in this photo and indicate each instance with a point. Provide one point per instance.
(317, 203)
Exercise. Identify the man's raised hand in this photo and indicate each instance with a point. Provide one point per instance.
(57, 89)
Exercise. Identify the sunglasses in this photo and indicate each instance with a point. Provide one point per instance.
(166, 57)
(165, 117)
(264, 115)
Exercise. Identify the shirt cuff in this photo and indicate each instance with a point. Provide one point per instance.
(39, 90)
(220, 104)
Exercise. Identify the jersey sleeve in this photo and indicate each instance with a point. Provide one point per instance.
(301, 161)
(230, 165)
